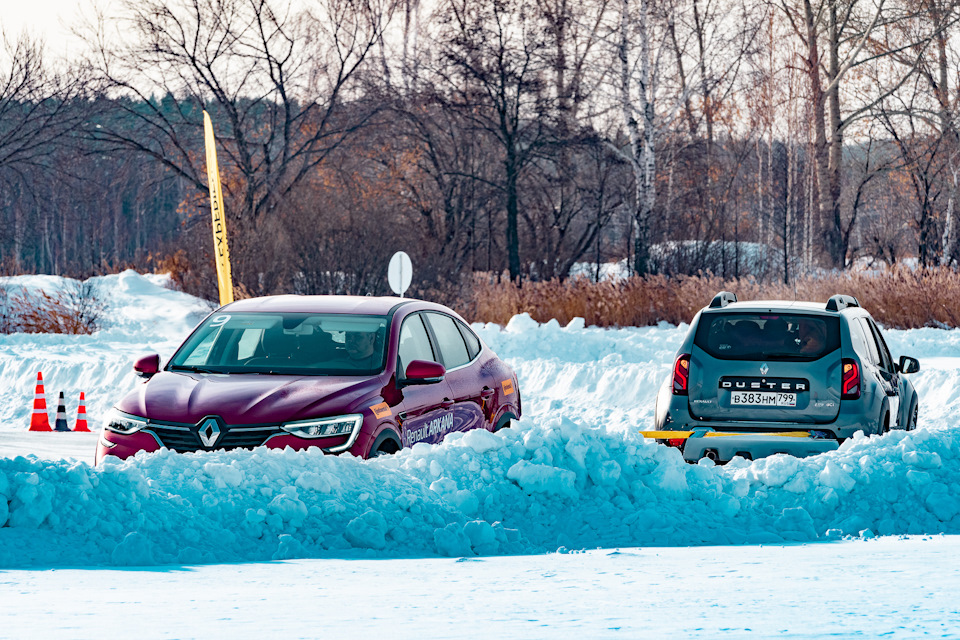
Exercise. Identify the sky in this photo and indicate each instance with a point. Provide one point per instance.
(50, 20)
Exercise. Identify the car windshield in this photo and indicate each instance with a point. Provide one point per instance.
(767, 336)
(285, 343)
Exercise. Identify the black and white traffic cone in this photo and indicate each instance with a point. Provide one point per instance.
(61, 424)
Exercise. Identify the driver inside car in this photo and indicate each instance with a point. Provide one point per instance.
(360, 347)
(812, 336)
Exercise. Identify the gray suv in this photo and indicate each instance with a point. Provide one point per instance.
(764, 377)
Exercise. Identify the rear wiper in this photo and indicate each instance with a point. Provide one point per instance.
(787, 355)
(183, 367)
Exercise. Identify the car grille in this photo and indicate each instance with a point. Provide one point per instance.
(182, 438)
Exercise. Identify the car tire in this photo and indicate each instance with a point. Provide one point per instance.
(884, 423)
(914, 412)
(504, 422)
(385, 444)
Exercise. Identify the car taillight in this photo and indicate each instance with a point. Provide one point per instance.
(850, 380)
(681, 374)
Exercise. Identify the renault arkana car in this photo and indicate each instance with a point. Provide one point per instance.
(764, 377)
(361, 375)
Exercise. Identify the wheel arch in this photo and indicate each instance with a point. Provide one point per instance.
(386, 431)
(506, 414)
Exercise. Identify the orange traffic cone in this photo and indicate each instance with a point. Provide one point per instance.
(81, 416)
(39, 420)
(61, 424)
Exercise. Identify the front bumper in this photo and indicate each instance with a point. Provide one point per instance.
(151, 439)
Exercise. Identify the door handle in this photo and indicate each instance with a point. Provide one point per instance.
(446, 403)
(486, 392)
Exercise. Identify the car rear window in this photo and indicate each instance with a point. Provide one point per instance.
(767, 336)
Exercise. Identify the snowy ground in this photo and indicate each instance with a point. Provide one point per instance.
(475, 536)
(884, 587)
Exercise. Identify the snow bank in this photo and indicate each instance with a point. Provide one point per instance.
(539, 487)
(602, 376)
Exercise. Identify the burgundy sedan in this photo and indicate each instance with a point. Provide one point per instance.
(361, 375)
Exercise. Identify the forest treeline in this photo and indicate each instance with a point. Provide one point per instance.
(745, 138)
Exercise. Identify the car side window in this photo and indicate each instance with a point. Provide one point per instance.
(859, 340)
(414, 342)
(473, 342)
(453, 349)
(885, 359)
(874, 352)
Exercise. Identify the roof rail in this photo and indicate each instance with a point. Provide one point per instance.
(840, 302)
(722, 299)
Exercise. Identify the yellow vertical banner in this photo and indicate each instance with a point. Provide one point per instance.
(221, 250)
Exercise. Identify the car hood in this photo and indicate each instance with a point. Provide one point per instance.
(248, 398)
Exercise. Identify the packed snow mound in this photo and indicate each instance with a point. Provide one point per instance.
(539, 487)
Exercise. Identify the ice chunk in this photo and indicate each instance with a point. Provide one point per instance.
(481, 440)
(942, 503)
(540, 478)
(835, 477)
(367, 531)
(288, 548)
(521, 323)
(451, 541)
(135, 549)
(482, 537)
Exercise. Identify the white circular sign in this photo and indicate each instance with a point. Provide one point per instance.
(400, 272)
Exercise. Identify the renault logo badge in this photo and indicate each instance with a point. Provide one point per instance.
(764, 369)
(209, 431)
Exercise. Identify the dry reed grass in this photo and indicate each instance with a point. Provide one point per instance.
(76, 309)
(898, 298)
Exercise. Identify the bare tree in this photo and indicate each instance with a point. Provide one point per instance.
(841, 38)
(39, 108)
(446, 175)
(492, 67)
(282, 87)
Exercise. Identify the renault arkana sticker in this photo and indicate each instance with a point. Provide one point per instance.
(381, 410)
(438, 426)
(507, 387)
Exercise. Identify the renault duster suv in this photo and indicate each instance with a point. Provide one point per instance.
(765, 377)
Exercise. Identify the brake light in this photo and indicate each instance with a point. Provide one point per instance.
(850, 380)
(681, 374)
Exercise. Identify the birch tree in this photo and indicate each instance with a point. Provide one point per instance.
(638, 52)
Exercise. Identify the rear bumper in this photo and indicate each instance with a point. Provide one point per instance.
(723, 448)
(672, 413)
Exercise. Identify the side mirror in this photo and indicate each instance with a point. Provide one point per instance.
(908, 365)
(147, 366)
(424, 372)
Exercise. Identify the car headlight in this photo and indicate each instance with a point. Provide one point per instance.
(123, 423)
(324, 427)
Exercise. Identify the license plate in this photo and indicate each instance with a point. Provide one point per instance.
(763, 398)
